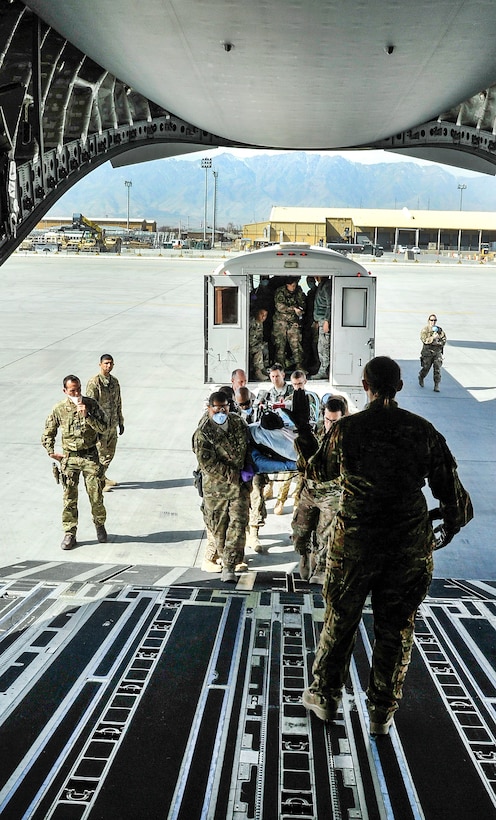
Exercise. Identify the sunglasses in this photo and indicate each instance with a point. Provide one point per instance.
(245, 403)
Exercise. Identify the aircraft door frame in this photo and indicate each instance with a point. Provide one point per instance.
(352, 329)
(226, 327)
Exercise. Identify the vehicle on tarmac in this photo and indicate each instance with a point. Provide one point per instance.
(232, 287)
(406, 248)
(357, 247)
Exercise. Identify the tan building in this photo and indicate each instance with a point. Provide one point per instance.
(429, 230)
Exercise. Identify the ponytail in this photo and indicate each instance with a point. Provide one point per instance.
(383, 376)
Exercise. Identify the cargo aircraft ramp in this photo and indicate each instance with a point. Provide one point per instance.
(185, 702)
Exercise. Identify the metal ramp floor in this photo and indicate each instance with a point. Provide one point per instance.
(136, 701)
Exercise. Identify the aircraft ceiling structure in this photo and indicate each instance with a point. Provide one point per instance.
(86, 82)
(296, 74)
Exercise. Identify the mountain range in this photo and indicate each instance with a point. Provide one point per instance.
(172, 191)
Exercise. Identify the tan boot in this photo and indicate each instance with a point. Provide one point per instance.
(282, 497)
(253, 541)
(210, 566)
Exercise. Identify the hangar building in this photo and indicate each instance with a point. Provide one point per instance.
(429, 230)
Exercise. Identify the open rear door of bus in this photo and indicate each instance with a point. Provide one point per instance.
(352, 330)
(226, 327)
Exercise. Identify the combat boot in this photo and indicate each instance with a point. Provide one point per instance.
(68, 541)
(210, 566)
(436, 388)
(108, 484)
(324, 708)
(282, 497)
(304, 566)
(421, 380)
(253, 541)
(101, 533)
(381, 719)
(228, 575)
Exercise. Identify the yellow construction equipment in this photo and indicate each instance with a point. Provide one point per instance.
(93, 238)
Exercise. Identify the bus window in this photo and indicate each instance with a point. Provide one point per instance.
(354, 307)
(226, 300)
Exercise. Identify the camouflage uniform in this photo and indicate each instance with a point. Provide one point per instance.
(258, 365)
(286, 327)
(381, 542)
(322, 313)
(431, 354)
(79, 445)
(107, 393)
(314, 513)
(258, 509)
(226, 498)
(267, 398)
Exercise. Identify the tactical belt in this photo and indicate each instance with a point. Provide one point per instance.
(81, 453)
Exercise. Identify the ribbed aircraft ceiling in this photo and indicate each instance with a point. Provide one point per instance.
(290, 73)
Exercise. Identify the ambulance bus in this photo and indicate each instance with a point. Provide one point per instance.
(232, 288)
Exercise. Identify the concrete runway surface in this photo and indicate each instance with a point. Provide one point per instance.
(58, 315)
(133, 684)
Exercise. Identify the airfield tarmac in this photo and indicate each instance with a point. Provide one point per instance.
(116, 653)
(58, 314)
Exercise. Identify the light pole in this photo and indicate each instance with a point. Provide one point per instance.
(206, 164)
(461, 188)
(215, 175)
(128, 185)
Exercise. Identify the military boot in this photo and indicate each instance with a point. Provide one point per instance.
(304, 566)
(210, 566)
(108, 484)
(252, 540)
(101, 533)
(68, 541)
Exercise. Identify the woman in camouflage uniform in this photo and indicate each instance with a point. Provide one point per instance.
(381, 539)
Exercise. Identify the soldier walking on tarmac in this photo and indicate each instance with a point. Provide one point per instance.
(81, 421)
(433, 339)
(106, 390)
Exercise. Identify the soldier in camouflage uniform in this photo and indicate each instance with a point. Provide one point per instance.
(81, 421)
(220, 444)
(322, 315)
(381, 539)
(317, 505)
(258, 364)
(105, 389)
(433, 339)
(289, 303)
